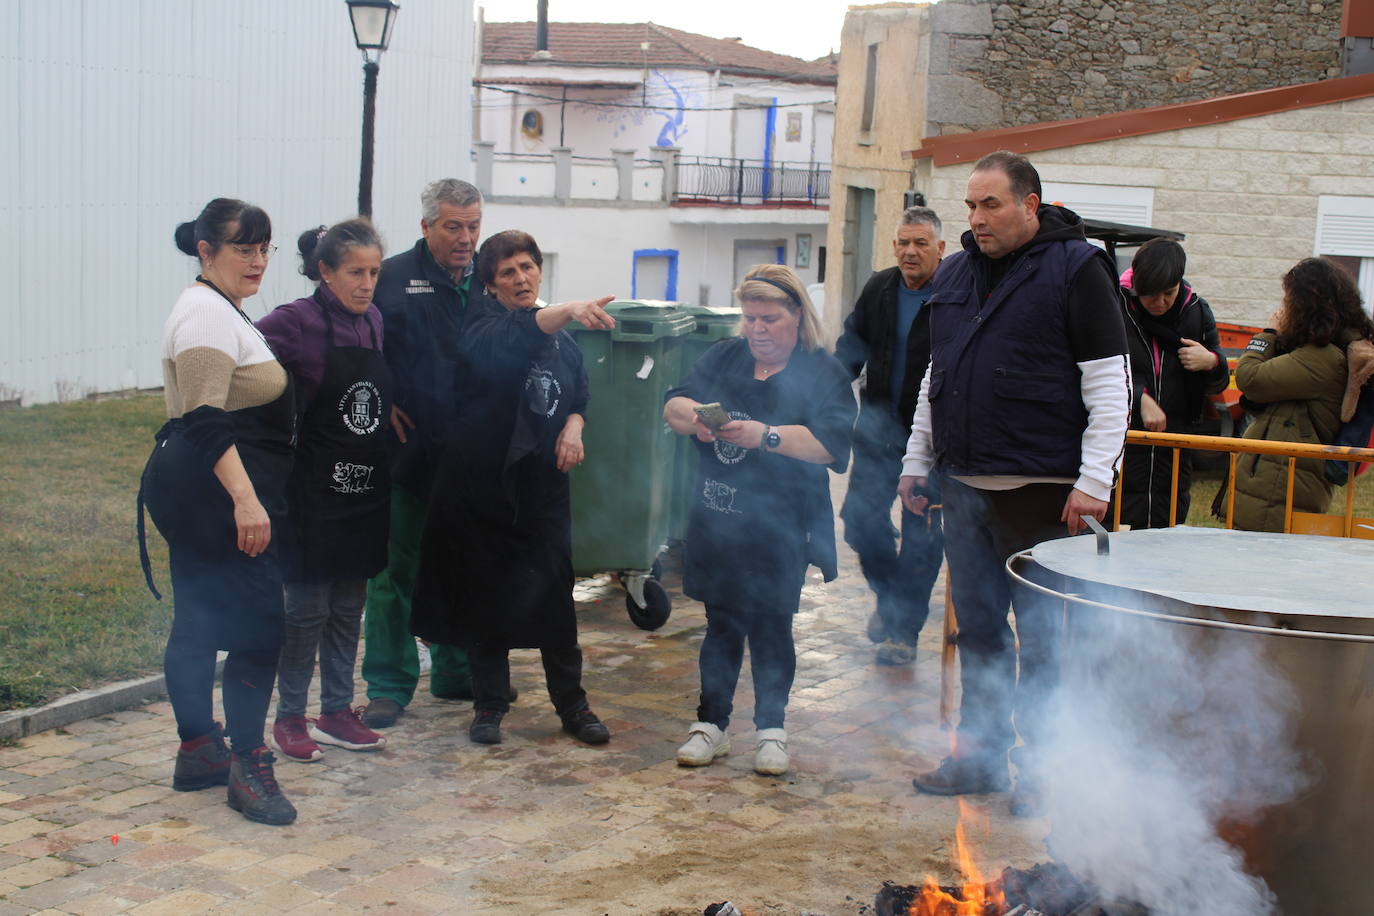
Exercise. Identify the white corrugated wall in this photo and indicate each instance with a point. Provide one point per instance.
(120, 119)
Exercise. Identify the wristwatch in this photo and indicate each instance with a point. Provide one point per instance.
(771, 439)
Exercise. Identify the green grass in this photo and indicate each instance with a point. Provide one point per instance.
(74, 611)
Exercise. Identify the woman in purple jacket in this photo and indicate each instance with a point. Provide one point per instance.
(339, 505)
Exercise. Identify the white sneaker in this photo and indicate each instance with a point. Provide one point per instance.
(770, 755)
(705, 743)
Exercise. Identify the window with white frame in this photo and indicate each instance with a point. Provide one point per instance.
(1114, 203)
(1345, 233)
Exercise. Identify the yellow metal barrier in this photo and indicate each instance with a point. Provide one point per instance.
(1347, 525)
(1294, 522)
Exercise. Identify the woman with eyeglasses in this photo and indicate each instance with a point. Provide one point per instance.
(215, 487)
(340, 492)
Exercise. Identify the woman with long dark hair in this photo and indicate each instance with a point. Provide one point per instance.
(1296, 372)
(215, 487)
(340, 493)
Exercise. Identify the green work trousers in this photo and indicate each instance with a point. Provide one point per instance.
(391, 663)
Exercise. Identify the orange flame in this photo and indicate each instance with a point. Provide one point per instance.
(977, 898)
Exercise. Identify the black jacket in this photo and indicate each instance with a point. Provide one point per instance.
(423, 315)
(1179, 392)
(867, 341)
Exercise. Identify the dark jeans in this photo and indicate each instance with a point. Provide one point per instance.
(901, 574)
(248, 676)
(982, 529)
(562, 674)
(772, 656)
(323, 617)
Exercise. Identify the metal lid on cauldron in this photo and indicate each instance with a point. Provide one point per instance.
(1247, 571)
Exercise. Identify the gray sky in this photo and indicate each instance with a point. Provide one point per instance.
(807, 29)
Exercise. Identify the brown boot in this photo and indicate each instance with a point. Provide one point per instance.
(253, 789)
(202, 762)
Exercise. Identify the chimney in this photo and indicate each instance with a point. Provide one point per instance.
(541, 32)
(1357, 37)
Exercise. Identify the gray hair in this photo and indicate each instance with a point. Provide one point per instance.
(920, 216)
(452, 191)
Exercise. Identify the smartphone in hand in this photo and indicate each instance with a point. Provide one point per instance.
(713, 415)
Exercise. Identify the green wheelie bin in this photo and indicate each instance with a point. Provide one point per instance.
(620, 493)
(712, 324)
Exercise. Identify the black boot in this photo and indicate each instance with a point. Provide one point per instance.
(202, 762)
(253, 789)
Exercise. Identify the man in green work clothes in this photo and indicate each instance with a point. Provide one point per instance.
(423, 297)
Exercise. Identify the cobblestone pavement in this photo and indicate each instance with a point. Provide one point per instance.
(434, 824)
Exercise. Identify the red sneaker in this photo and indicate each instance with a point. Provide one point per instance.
(292, 741)
(345, 729)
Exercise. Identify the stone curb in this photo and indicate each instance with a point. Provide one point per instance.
(86, 704)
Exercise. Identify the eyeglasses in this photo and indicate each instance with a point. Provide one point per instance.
(248, 252)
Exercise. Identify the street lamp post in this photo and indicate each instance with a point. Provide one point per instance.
(372, 22)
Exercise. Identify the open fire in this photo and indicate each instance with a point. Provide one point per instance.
(1047, 889)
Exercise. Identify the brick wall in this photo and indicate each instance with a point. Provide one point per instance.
(1244, 192)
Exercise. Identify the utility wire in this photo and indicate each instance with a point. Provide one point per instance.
(593, 102)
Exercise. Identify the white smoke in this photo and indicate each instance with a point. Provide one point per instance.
(1161, 732)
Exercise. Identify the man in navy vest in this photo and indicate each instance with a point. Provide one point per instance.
(1022, 415)
(887, 337)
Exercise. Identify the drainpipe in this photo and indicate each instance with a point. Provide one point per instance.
(1357, 37)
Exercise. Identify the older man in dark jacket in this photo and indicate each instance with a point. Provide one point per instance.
(887, 338)
(422, 294)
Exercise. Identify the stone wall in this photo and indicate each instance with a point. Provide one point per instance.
(1245, 192)
(1009, 62)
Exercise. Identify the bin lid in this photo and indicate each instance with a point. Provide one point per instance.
(1251, 571)
(646, 320)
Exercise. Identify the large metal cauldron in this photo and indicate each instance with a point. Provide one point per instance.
(1306, 604)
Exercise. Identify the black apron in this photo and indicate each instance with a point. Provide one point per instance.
(340, 494)
(224, 598)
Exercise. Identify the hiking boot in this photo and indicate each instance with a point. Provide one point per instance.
(705, 742)
(485, 727)
(770, 754)
(586, 727)
(345, 729)
(202, 762)
(253, 789)
(892, 652)
(382, 712)
(292, 740)
(877, 630)
(963, 776)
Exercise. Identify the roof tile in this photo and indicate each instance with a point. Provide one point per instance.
(618, 44)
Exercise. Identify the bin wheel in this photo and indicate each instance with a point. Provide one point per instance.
(656, 609)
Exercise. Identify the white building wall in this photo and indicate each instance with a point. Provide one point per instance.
(593, 247)
(122, 119)
(1245, 192)
(660, 115)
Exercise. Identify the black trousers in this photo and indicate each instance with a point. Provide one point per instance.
(562, 674)
(982, 529)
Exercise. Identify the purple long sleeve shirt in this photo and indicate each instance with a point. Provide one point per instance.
(296, 333)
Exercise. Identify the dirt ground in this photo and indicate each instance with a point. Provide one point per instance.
(540, 823)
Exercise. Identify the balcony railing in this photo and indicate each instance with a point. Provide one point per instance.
(751, 181)
(666, 177)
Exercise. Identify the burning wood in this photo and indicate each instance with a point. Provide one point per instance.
(1047, 889)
